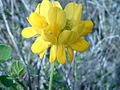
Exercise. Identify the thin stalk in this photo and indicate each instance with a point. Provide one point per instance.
(51, 76)
(17, 80)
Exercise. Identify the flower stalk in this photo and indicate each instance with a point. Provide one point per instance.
(51, 76)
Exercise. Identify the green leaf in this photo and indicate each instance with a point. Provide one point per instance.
(17, 68)
(112, 86)
(5, 52)
(6, 81)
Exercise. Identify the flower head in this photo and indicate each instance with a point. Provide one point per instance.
(60, 29)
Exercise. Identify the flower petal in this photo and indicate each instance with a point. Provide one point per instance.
(56, 16)
(88, 26)
(76, 31)
(66, 36)
(70, 36)
(56, 4)
(28, 32)
(37, 20)
(82, 27)
(37, 10)
(45, 5)
(39, 45)
(48, 36)
(80, 45)
(53, 53)
(78, 12)
(73, 11)
(61, 55)
(42, 54)
(70, 54)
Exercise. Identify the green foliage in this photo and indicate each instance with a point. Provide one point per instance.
(112, 86)
(6, 81)
(18, 87)
(5, 52)
(105, 80)
(17, 69)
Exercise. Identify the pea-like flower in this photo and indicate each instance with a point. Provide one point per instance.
(58, 28)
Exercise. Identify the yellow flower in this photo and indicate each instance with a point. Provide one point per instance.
(43, 21)
(59, 29)
(40, 19)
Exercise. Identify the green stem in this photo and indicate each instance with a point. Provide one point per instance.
(51, 76)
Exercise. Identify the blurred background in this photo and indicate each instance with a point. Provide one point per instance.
(96, 69)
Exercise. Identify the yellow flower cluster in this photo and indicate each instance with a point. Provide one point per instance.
(58, 28)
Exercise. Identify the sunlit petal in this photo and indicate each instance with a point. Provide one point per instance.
(28, 32)
(56, 16)
(56, 4)
(45, 5)
(37, 20)
(73, 11)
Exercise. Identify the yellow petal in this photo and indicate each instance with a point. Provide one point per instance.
(53, 53)
(82, 27)
(48, 36)
(56, 16)
(39, 45)
(75, 33)
(69, 10)
(61, 55)
(37, 10)
(80, 45)
(45, 5)
(42, 54)
(53, 29)
(64, 37)
(28, 32)
(70, 36)
(88, 26)
(70, 54)
(56, 4)
(38, 30)
(37, 20)
(73, 11)
(78, 12)
(31, 32)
